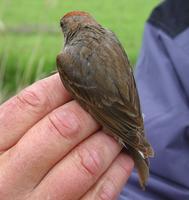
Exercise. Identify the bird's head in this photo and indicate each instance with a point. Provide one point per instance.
(72, 20)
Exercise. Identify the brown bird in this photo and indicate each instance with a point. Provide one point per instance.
(94, 67)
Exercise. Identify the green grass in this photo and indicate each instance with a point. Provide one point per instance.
(27, 57)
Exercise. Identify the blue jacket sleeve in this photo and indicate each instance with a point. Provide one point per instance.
(162, 77)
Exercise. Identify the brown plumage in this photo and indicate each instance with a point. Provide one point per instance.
(94, 67)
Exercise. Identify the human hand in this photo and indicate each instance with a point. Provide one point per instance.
(52, 149)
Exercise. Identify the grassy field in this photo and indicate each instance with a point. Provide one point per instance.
(28, 55)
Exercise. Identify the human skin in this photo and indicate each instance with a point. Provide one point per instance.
(52, 149)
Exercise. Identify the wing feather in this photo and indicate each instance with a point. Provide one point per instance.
(108, 93)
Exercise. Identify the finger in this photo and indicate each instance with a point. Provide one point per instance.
(111, 183)
(25, 164)
(79, 170)
(22, 111)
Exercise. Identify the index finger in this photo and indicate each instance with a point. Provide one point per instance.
(22, 111)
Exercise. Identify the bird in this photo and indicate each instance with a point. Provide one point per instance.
(94, 67)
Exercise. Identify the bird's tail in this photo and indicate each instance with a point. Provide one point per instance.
(142, 166)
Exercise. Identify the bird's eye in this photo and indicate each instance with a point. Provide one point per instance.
(61, 24)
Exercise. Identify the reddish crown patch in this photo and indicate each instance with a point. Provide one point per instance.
(76, 13)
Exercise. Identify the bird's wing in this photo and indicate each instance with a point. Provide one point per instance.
(108, 92)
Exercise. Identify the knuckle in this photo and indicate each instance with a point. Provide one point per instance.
(90, 161)
(33, 97)
(107, 191)
(126, 164)
(65, 122)
(28, 97)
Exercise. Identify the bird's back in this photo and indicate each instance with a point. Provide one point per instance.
(97, 54)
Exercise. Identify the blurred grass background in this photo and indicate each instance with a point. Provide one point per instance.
(30, 36)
